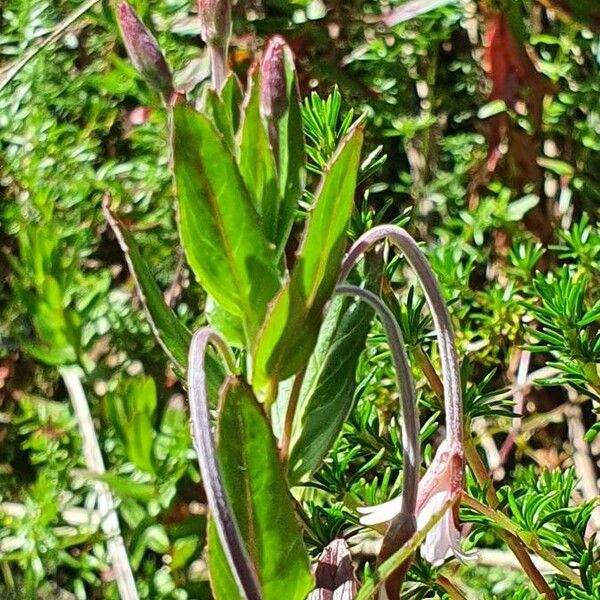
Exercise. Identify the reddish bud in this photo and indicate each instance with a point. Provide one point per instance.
(144, 51)
(215, 22)
(273, 86)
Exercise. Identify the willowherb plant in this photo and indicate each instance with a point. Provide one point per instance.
(288, 339)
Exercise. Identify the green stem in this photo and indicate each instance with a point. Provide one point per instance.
(513, 536)
(388, 567)
(286, 436)
(429, 371)
(450, 588)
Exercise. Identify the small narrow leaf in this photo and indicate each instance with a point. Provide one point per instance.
(220, 229)
(290, 154)
(224, 109)
(170, 333)
(290, 330)
(259, 496)
(173, 337)
(256, 161)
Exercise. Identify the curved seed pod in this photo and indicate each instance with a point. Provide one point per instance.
(439, 311)
(402, 517)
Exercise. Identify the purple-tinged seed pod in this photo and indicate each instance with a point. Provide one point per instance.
(144, 51)
(273, 85)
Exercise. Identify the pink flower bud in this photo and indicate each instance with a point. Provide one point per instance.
(273, 86)
(144, 51)
(215, 22)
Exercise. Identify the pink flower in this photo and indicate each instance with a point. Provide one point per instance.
(442, 482)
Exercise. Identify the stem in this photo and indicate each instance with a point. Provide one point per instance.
(428, 370)
(109, 521)
(519, 550)
(450, 588)
(510, 533)
(218, 66)
(560, 567)
(408, 397)
(204, 442)
(286, 436)
(480, 471)
(439, 311)
(386, 569)
(7, 576)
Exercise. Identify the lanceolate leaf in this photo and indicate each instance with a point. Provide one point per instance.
(220, 228)
(259, 496)
(173, 337)
(329, 386)
(256, 161)
(170, 333)
(290, 154)
(290, 330)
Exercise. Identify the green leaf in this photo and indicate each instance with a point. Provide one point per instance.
(126, 488)
(290, 331)
(224, 109)
(558, 167)
(259, 496)
(170, 333)
(140, 440)
(327, 394)
(491, 109)
(184, 549)
(256, 161)
(592, 433)
(519, 208)
(222, 581)
(220, 229)
(228, 325)
(130, 410)
(290, 154)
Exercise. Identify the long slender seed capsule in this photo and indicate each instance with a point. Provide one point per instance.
(408, 396)
(441, 318)
(402, 525)
(204, 443)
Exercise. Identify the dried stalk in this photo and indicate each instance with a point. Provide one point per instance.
(92, 454)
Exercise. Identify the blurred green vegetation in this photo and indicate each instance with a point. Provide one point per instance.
(518, 258)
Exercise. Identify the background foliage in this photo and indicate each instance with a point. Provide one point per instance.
(516, 247)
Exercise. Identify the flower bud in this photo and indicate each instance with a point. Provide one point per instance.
(215, 22)
(144, 51)
(273, 85)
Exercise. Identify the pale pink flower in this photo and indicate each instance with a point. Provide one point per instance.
(442, 482)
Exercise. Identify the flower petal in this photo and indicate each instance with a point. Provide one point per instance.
(380, 513)
(443, 537)
(440, 541)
